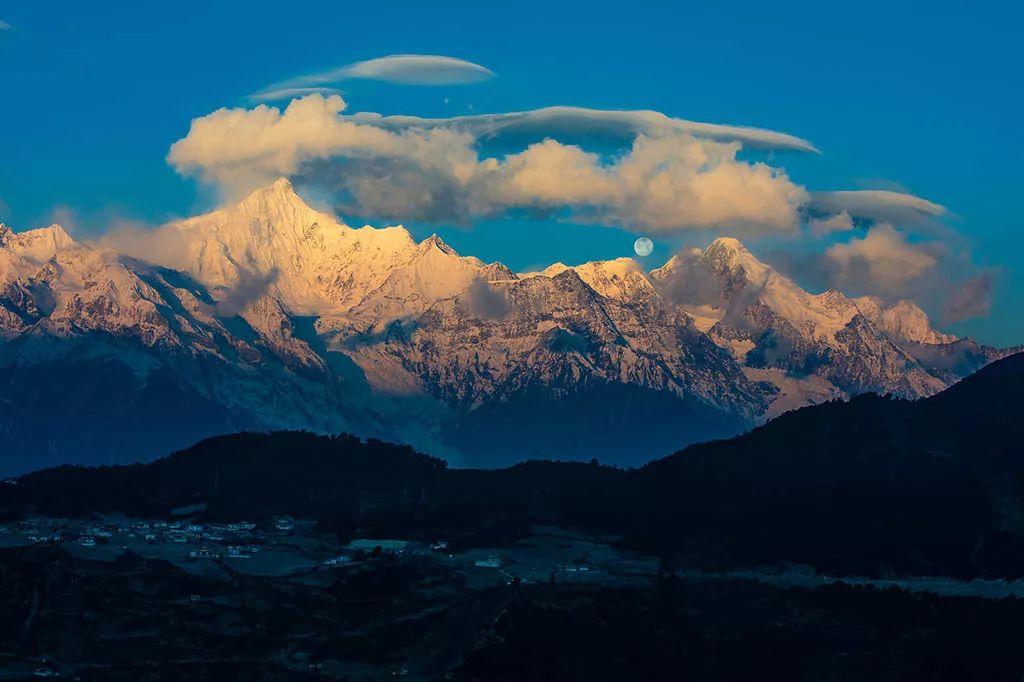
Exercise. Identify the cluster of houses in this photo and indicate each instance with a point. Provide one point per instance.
(172, 532)
(41, 529)
(36, 530)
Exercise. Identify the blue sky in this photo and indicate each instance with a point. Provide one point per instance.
(896, 97)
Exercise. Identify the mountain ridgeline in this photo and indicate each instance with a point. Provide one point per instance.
(874, 486)
(269, 315)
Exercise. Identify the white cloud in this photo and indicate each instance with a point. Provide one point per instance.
(404, 69)
(675, 181)
(419, 69)
(877, 205)
(138, 240)
(239, 149)
(4, 26)
(840, 222)
(593, 123)
(659, 175)
(938, 275)
(662, 183)
(882, 260)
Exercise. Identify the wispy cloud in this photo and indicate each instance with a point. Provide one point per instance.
(404, 69)
(972, 299)
(593, 123)
(290, 93)
(419, 69)
(877, 205)
(883, 259)
(839, 222)
(4, 26)
(482, 300)
(248, 289)
(894, 263)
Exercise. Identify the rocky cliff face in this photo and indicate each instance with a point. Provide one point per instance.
(269, 314)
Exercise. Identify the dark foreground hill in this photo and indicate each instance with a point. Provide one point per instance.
(146, 619)
(874, 485)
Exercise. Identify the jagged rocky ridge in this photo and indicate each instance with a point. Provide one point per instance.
(269, 314)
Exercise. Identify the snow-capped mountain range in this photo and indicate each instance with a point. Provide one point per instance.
(269, 314)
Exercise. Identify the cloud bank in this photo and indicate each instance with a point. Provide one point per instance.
(638, 170)
(664, 181)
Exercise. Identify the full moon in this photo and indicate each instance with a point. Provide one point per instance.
(643, 246)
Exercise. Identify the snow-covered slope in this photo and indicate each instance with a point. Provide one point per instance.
(726, 277)
(433, 272)
(143, 358)
(621, 279)
(768, 322)
(902, 321)
(270, 314)
(19, 251)
(318, 264)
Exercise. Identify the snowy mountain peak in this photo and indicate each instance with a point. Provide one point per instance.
(727, 283)
(729, 255)
(620, 266)
(310, 261)
(435, 242)
(569, 280)
(498, 272)
(281, 190)
(54, 235)
(38, 245)
(621, 279)
(726, 245)
(902, 321)
(833, 296)
(279, 205)
(671, 266)
(549, 271)
(282, 184)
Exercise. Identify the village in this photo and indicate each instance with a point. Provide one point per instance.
(286, 546)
